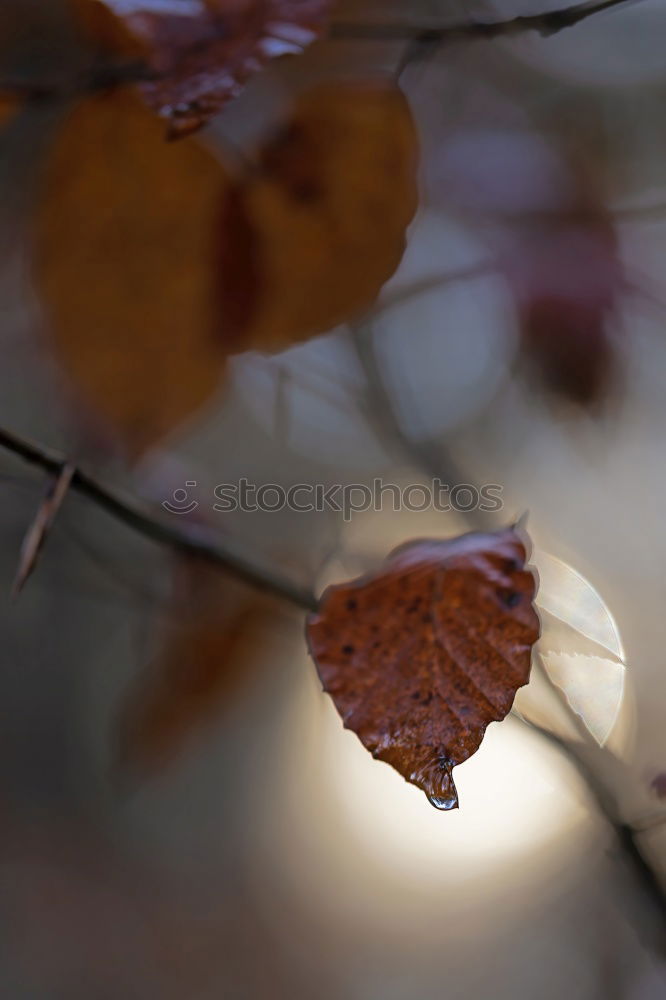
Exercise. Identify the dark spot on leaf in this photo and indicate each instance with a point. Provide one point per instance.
(510, 598)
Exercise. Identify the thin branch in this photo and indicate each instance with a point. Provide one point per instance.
(38, 531)
(190, 539)
(625, 833)
(548, 23)
(99, 76)
(430, 455)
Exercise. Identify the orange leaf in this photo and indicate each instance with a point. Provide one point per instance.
(200, 51)
(421, 657)
(123, 246)
(310, 237)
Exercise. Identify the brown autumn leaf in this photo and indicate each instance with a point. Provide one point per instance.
(123, 244)
(422, 656)
(205, 654)
(311, 235)
(200, 52)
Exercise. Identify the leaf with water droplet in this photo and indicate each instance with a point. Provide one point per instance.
(420, 657)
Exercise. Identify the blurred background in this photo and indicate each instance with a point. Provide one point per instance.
(520, 343)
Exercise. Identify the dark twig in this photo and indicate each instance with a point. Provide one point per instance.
(625, 833)
(41, 525)
(187, 538)
(549, 23)
(427, 452)
(98, 77)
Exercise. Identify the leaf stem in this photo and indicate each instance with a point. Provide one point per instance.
(625, 833)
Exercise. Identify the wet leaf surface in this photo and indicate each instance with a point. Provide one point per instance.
(422, 656)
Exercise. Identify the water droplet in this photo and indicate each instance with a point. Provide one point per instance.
(436, 780)
(441, 803)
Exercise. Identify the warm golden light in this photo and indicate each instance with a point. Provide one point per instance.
(511, 797)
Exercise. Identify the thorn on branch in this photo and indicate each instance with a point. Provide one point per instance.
(37, 533)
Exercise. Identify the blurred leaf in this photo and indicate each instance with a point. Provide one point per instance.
(9, 106)
(593, 686)
(204, 657)
(564, 312)
(577, 628)
(199, 51)
(142, 309)
(313, 233)
(567, 595)
(124, 233)
(420, 657)
(566, 274)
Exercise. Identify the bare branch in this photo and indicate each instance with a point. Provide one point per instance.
(191, 539)
(428, 454)
(99, 76)
(549, 23)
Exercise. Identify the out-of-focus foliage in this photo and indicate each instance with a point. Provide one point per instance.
(154, 263)
(123, 229)
(197, 54)
(576, 620)
(205, 655)
(9, 106)
(542, 209)
(310, 236)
